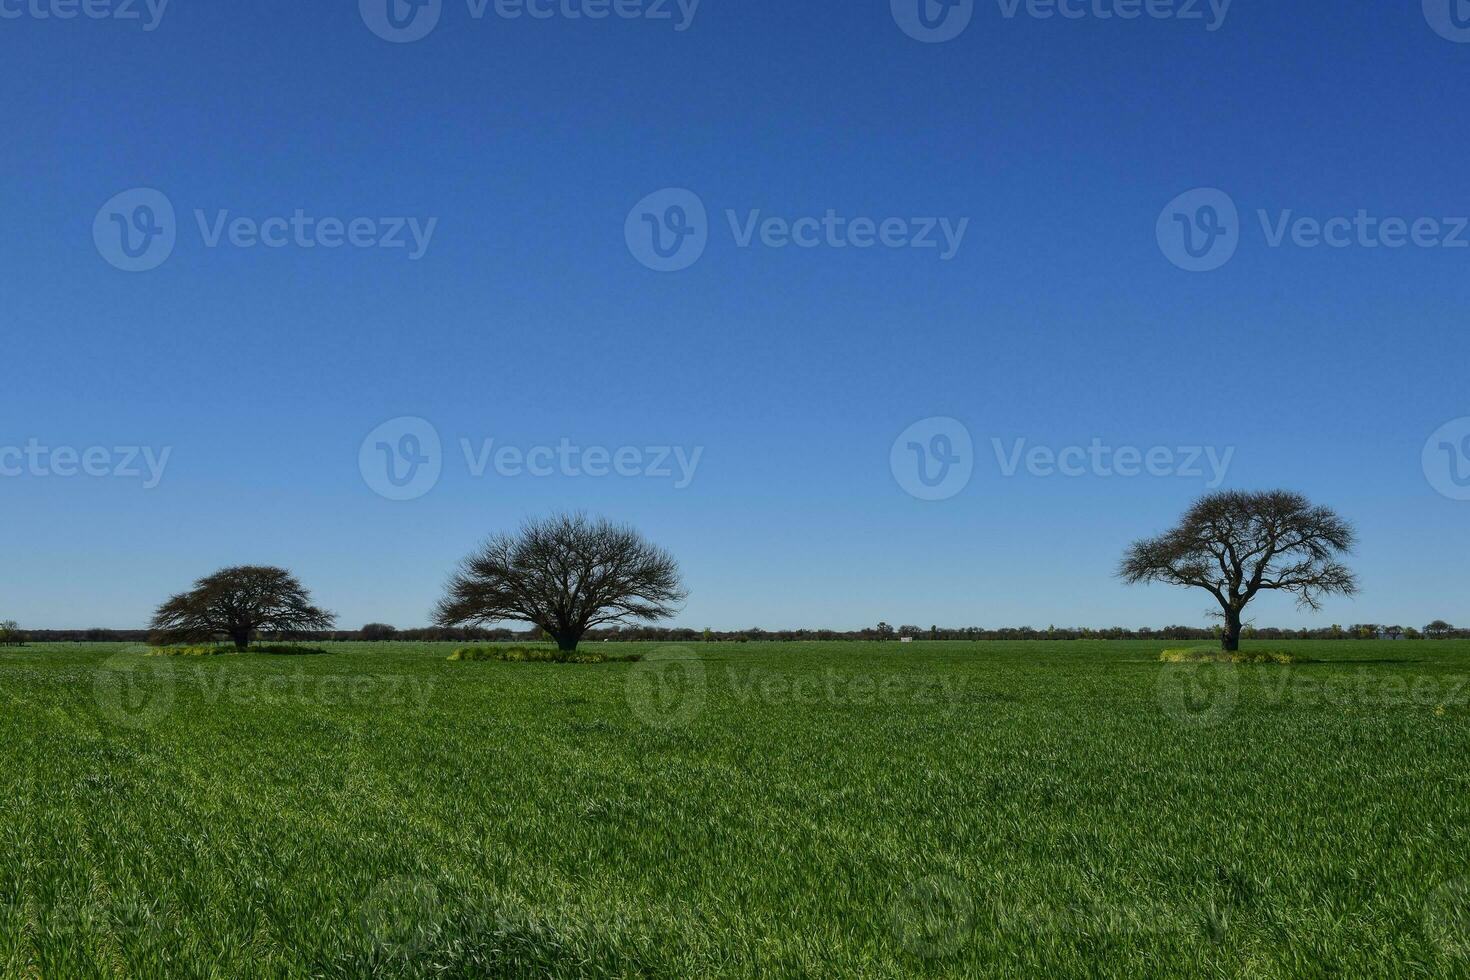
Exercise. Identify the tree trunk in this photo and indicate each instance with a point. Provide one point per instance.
(241, 638)
(1230, 638)
(567, 640)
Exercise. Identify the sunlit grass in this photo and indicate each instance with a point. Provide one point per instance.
(1217, 655)
(745, 810)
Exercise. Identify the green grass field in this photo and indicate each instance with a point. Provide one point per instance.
(744, 810)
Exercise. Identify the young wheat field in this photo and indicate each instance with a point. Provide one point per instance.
(742, 810)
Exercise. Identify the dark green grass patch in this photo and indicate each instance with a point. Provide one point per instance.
(541, 655)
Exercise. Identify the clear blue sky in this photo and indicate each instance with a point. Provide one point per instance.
(529, 320)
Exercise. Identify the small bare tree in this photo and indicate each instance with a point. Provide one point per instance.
(565, 574)
(240, 602)
(1236, 545)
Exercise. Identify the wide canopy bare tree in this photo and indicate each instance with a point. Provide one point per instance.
(1236, 545)
(566, 574)
(240, 602)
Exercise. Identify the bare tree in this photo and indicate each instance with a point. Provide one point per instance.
(1236, 545)
(10, 634)
(565, 574)
(240, 602)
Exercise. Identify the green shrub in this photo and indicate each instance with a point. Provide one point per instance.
(538, 655)
(195, 651)
(1213, 654)
(219, 650)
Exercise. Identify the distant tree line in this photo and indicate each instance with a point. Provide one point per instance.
(381, 632)
(453, 635)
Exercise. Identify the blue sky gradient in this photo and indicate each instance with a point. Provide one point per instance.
(529, 320)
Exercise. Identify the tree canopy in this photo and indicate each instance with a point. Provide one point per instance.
(566, 574)
(1236, 544)
(241, 602)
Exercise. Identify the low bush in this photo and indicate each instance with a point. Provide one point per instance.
(219, 650)
(195, 651)
(539, 655)
(1210, 654)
